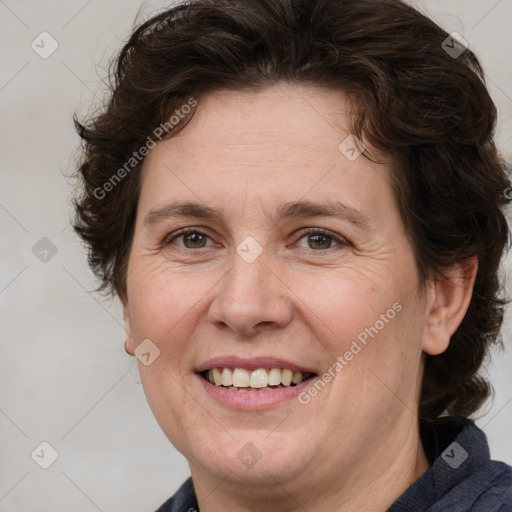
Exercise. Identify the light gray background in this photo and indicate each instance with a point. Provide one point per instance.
(65, 377)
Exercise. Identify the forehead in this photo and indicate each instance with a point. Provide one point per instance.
(284, 141)
(282, 116)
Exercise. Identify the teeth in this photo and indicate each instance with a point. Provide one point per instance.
(274, 377)
(297, 377)
(286, 377)
(227, 377)
(241, 378)
(217, 377)
(260, 379)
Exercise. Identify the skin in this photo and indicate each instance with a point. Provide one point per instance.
(355, 446)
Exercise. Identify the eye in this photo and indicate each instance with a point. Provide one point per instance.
(192, 238)
(321, 239)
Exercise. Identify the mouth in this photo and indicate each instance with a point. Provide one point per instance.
(259, 379)
(255, 384)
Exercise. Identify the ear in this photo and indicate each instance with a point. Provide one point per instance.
(447, 304)
(128, 344)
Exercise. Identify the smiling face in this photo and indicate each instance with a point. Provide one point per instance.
(294, 253)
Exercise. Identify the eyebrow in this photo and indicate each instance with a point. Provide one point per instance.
(296, 209)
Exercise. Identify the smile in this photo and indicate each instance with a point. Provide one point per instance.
(259, 379)
(254, 384)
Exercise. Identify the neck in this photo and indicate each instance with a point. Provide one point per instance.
(374, 483)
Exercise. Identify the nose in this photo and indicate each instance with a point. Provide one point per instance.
(251, 298)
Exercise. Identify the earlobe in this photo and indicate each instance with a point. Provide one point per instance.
(128, 347)
(448, 302)
(128, 344)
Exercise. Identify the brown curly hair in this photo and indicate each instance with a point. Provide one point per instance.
(428, 108)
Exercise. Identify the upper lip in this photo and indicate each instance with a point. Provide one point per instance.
(251, 364)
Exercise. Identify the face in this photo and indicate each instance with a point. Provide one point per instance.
(267, 276)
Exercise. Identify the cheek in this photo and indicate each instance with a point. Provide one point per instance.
(342, 303)
(386, 373)
(161, 310)
(158, 301)
(374, 323)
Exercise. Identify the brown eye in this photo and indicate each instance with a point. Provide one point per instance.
(319, 239)
(192, 239)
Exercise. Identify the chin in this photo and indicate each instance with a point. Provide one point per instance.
(244, 459)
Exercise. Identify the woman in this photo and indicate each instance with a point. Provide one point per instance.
(299, 204)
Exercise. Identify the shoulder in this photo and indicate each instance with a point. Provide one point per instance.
(497, 497)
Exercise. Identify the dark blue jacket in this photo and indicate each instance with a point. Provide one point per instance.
(462, 477)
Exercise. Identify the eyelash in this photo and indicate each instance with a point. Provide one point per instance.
(308, 231)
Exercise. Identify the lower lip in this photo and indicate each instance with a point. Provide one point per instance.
(253, 400)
